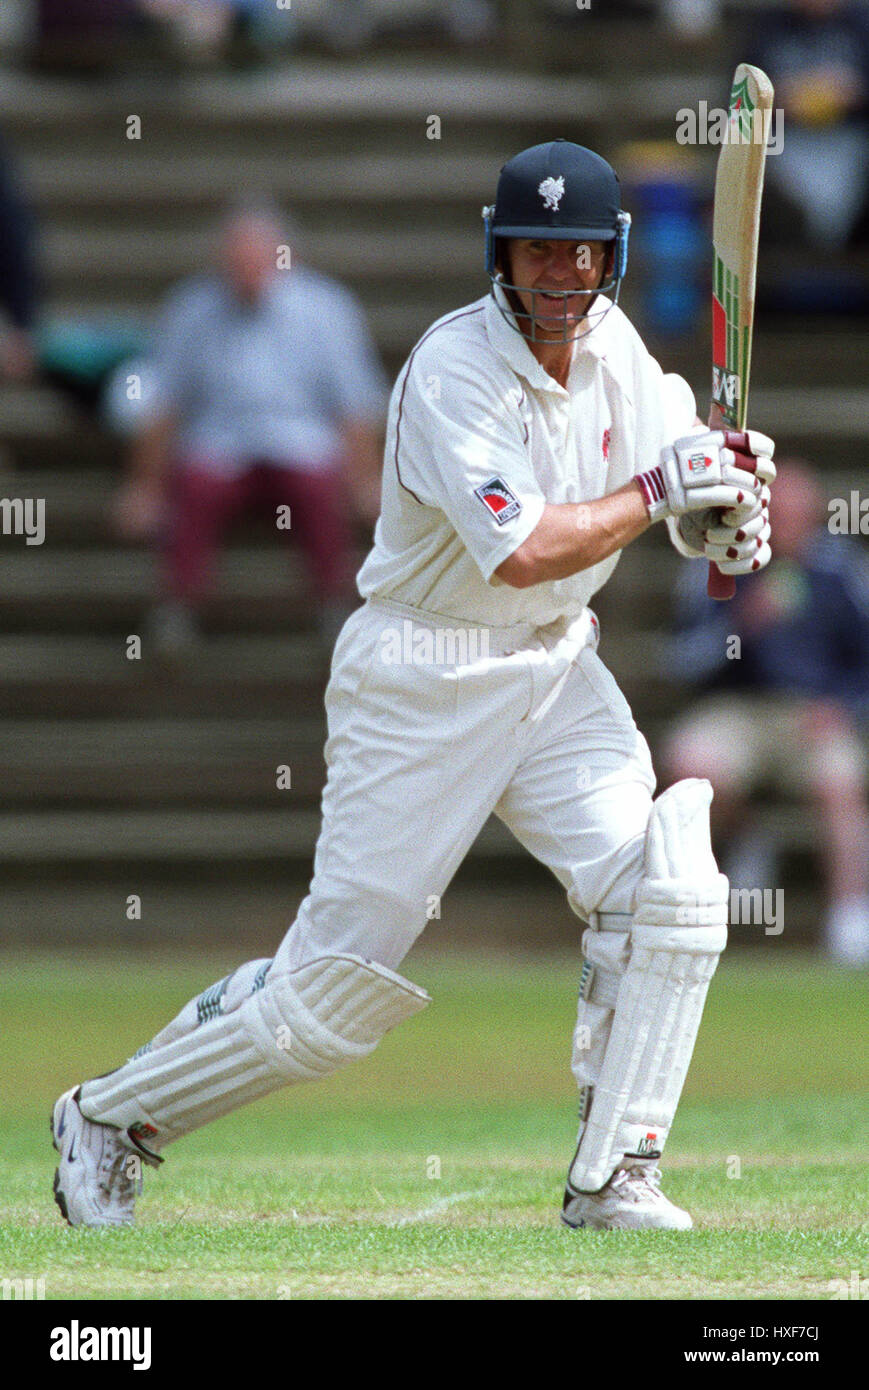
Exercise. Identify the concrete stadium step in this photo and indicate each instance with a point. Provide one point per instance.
(136, 184)
(85, 677)
(76, 503)
(128, 576)
(121, 615)
(150, 257)
(42, 425)
(41, 111)
(49, 841)
(491, 903)
(133, 762)
(77, 511)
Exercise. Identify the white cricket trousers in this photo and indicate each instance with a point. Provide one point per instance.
(421, 751)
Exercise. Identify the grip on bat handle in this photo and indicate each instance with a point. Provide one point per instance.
(718, 585)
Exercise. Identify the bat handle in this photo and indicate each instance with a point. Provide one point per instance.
(718, 585)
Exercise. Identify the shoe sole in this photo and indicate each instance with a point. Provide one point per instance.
(59, 1198)
(571, 1225)
(581, 1225)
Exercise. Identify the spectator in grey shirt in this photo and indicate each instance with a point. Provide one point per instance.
(267, 393)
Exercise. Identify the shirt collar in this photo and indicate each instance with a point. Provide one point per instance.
(274, 288)
(510, 344)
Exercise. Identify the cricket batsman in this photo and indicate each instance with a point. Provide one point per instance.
(531, 437)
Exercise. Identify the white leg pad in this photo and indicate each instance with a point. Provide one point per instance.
(606, 951)
(294, 1027)
(679, 930)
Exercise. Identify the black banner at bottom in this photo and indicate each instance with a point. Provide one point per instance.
(62, 1338)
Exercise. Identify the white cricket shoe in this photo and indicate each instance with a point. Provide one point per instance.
(632, 1200)
(100, 1170)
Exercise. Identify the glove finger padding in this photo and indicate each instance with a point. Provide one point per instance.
(747, 511)
(759, 561)
(742, 557)
(750, 442)
(718, 534)
(751, 452)
(721, 496)
(736, 550)
(734, 476)
(703, 534)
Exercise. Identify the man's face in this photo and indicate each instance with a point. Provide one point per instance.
(553, 269)
(248, 256)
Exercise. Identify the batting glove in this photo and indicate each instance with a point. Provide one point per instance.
(695, 532)
(716, 470)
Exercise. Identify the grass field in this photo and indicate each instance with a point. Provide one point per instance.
(435, 1168)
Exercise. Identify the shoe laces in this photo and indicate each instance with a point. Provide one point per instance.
(115, 1179)
(639, 1183)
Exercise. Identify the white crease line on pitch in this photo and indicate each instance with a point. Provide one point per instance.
(435, 1209)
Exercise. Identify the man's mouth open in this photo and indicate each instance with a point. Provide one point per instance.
(558, 296)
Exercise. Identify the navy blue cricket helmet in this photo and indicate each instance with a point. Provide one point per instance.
(557, 191)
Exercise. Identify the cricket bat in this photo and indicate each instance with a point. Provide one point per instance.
(735, 230)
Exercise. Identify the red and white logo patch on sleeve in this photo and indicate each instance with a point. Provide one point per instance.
(499, 499)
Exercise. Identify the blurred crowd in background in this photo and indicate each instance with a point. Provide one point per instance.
(204, 31)
(780, 687)
(226, 421)
(816, 52)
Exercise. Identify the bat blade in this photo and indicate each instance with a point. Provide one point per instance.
(735, 231)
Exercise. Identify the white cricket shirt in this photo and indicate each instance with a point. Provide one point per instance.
(480, 437)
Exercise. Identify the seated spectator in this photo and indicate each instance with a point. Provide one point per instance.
(354, 24)
(817, 54)
(788, 701)
(18, 280)
(81, 33)
(266, 393)
(199, 31)
(691, 19)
